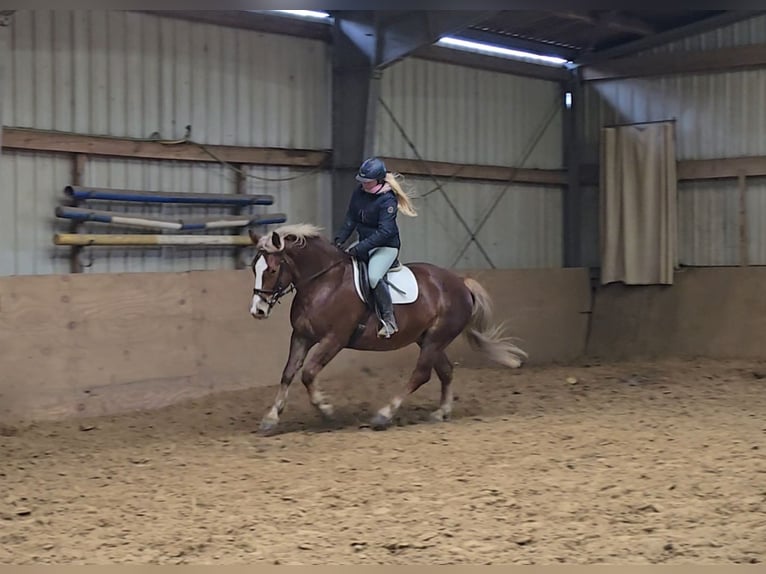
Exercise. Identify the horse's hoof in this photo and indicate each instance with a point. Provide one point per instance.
(438, 417)
(267, 427)
(327, 412)
(380, 422)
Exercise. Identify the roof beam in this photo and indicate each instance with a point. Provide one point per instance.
(399, 37)
(249, 20)
(691, 62)
(492, 63)
(612, 19)
(388, 36)
(672, 35)
(515, 43)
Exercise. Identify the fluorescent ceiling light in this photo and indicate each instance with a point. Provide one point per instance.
(498, 50)
(313, 14)
(448, 41)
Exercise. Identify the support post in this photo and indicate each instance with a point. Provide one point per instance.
(572, 200)
(352, 94)
(78, 171)
(8, 264)
(743, 239)
(365, 42)
(241, 189)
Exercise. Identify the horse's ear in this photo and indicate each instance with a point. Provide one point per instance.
(254, 237)
(276, 240)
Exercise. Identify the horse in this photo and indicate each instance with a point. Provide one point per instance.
(330, 312)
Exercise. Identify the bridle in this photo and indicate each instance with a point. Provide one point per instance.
(273, 296)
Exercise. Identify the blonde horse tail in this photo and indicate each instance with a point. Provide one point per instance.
(484, 337)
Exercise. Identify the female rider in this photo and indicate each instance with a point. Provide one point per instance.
(372, 211)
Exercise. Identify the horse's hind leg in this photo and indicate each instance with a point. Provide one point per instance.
(420, 375)
(443, 368)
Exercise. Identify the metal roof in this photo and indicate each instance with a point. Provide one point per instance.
(580, 36)
(573, 34)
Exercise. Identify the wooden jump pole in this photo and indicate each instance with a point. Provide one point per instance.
(179, 224)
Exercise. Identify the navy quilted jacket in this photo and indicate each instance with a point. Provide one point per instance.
(374, 218)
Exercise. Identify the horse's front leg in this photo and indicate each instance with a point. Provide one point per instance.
(326, 351)
(299, 348)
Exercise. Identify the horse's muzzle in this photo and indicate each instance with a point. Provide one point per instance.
(259, 308)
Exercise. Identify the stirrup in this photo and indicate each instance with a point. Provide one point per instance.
(387, 330)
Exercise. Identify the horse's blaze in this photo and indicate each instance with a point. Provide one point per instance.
(259, 308)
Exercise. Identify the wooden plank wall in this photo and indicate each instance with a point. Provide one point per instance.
(69, 143)
(709, 312)
(107, 343)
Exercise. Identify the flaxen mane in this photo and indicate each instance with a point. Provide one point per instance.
(301, 232)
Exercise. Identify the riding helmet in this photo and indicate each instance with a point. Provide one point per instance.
(372, 169)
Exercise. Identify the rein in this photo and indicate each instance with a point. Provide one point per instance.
(273, 296)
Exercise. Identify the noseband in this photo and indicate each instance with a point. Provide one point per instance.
(272, 296)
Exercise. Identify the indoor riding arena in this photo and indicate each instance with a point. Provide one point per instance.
(604, 182)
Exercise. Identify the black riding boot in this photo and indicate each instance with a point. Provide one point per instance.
(386, 309)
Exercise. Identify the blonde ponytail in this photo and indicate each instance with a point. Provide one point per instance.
(402, 197)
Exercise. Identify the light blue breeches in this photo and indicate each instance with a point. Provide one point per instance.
(381, 259)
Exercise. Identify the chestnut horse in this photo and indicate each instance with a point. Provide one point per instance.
(328, 313)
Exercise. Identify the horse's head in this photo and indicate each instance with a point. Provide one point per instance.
(272, 271)
(276, 264)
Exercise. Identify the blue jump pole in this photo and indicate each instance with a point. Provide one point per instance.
(85, 193)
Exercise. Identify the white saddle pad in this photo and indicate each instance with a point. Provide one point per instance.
(403, 284)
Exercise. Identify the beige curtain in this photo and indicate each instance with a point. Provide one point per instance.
(638, 204)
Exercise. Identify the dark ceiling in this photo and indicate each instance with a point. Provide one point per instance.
(581, 36)
(585, 34)
(575, 33)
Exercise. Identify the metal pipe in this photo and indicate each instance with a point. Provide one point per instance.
(85, 193)
(93, 239)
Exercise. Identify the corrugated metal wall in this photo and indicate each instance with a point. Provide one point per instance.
(7, 194)
(717, 115)
(523, 229)
(465, 115)
(129, 75)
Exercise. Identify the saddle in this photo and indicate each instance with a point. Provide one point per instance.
(363, 281)
(402, 284)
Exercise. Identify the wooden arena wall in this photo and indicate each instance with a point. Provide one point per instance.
(107, 343)
(717, 312)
